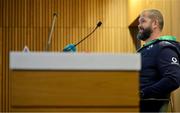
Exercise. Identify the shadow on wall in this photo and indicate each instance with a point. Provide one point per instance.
(133, 28)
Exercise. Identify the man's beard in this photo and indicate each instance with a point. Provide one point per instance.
(145, 34)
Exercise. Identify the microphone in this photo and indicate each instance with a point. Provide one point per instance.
(99, 24)
(72, 47)
(51, 31)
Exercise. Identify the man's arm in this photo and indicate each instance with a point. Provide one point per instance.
(169, 70)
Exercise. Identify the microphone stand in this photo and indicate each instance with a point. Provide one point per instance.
(86, 37)
(51, 31)
(72, 47)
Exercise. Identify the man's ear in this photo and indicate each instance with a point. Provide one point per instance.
(155, 23)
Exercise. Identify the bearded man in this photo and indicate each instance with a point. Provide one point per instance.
(160, 72)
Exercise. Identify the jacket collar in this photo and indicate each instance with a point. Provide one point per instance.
(165, 38)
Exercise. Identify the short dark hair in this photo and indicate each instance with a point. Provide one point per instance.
(156, 14)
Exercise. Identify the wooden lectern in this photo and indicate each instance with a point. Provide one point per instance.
(74, 82)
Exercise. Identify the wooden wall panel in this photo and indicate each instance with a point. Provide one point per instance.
(31, 20)
(134, 8)
(175, 31)
(28, 22)
(1, 3)
(1, 69)
(5, 17)
(175, 18)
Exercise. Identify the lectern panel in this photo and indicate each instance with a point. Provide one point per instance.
(74, 90)
(74, 82)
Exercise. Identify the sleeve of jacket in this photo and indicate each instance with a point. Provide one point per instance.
(169, 70)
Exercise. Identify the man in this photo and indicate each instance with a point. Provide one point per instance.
(160, 73)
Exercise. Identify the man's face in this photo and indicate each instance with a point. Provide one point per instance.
(145, 27)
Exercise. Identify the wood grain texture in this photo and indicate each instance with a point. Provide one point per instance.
(1, 14)
(27, 22)
(75, 89)
(30, 22)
